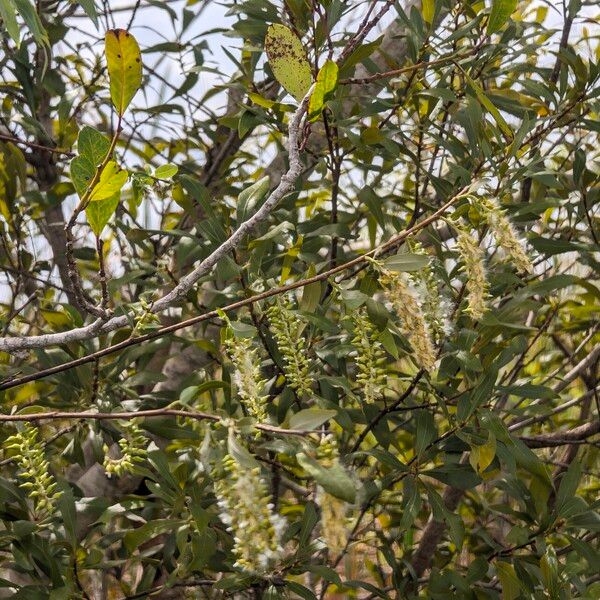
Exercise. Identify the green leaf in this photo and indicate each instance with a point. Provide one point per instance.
(300, 590)
(528, 390)
(405, 262)
(489, 106)
(99, 213)
(501, 11)
(112, 179)
(240, 453)
(527, 459)
(27, 10)
(425, 430)
(311, 418)
(166, 171)
(8, 12)
(92, 147)
(428, 10)
(89, 6)
(550, 573)
(92, 144)
(411, 503)
(250, 197)
(324, 87)
(333, 479)
(568, 485)
(66, 505)
(551, 247)
(148, 531)
(287, 60)
(308, 522)
(511, 587)
(124, 63)
(460, 476)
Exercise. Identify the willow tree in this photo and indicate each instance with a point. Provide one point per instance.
(301, 306)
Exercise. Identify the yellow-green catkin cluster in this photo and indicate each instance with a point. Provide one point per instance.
(434, 304)
(505, 235)
(477, 284)
(247, 511)
(34, 469)
(370, 357)
(400, 291)
(133, 452)
(247, 376)
(286, 327)
(333, 510)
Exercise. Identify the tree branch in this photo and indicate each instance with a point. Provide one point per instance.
(127, 415)
(97, 327)
(186, 283)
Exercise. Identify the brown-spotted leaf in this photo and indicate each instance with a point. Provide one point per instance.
(287, 60)
(124, 63)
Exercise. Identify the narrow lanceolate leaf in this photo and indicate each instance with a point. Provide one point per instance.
(99, 213)
(428, 8)
(89, 6)
(501, 11)
(287, 60)
(124, 63)
(29, 13)
(8, 13)
(324, 87)
(112, 179)
(334, 479)
(490, 107)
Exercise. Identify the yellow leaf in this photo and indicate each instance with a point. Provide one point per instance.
(489, 106)
(481, 457)
(261, 100)
(58, 320)
(112, 179)
(500, 13)
(124, 63)
(287, 60)
(290, 258)
(428, 7)
(324, 87)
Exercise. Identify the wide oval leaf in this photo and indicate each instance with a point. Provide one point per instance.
(112, 179)
(124, 63)
(288, 61)
(92, 147)
(99, 213)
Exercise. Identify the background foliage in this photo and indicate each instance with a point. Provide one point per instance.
(387, 388)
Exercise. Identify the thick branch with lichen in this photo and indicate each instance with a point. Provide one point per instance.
(99, 326)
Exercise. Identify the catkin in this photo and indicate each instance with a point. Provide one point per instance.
(133, 451)
(477, 284)
(434, 304)
(370, 357)
(405, 301)
(248, 513)
(247, 376)
(506, 236)
(34, 469)
(287, 327)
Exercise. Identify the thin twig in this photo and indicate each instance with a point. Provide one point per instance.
(16, 140)
(135, 414)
